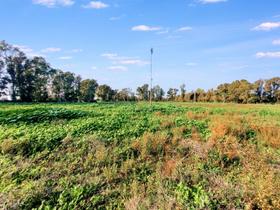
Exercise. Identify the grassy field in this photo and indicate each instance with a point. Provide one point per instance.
(134, 156)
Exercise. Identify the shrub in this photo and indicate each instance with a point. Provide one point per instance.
(193, 197)
(8, 146)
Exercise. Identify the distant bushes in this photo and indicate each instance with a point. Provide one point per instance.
(39, 115)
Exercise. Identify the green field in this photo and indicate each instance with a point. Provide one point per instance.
(137, 156)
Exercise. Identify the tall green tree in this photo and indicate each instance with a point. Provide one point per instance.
(105, 92)
(172, 93)
(35, 79)
(13, 60)
(143, 92)
(183, 91)
(222, 92)
(125, 94)
(88, 89)
(158, 93)
(272, 86)
(57, 85)
(4, 80)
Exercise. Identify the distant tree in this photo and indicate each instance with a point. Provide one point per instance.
(271, 88)
(105, 92)
(277, 96)
(143, 92)
(210, 96)
(4, 80)
(88, 89)
(222, 92)
(158, 93)
(13, 61)
(258, 88)
(125, 94)
(172, 93)
(200, 95)
(65, 86)
(57, 85)
(240, 91)
(70, 88)
(77, 87)
(183, 92)
(36, 76)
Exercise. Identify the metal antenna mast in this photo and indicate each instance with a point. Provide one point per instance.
(151, 90)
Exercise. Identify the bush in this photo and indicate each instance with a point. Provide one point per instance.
(193, 197)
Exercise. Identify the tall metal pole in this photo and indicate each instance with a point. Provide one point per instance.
(151, 90)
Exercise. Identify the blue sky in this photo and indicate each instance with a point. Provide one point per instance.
(201, 43)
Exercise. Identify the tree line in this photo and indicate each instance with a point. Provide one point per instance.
(33, 79)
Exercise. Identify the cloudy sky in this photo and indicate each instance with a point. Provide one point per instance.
(197, 42)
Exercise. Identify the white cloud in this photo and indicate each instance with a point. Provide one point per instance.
(132, 62)
(65, 58)
(267, 26)
(110, 56)
(28, 51)
(117, 68)
(211, 1)
(76, 50)
(51, 50)
(166, 31)
(96, 5)
(121, 60)
(145, 28)
(53, 3)
(185, 28)
(276, 42)
(268, 55)
(24, 48)
(93, 67)
(116, 17)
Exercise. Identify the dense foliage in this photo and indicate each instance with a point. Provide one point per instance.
(34, 80)
(136, 156)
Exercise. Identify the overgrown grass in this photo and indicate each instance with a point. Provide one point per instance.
(134, 156)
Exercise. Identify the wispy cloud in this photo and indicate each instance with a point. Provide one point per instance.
(65, 58)
(121, 60)
(95, 5)
(173, 37)
(94, 68)
(53, 3)
(145, 28)
(268, 55)
(165, 31)
(51, 50)
(116, 17)
(75, 50)
(132, 62)
(110, 56)
(185, 28)
(23, 48)
(211, 1)
(117, 68)
(276, 42)
(267, 26)
(28, 51)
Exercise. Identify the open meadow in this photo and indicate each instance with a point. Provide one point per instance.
(137, 156)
